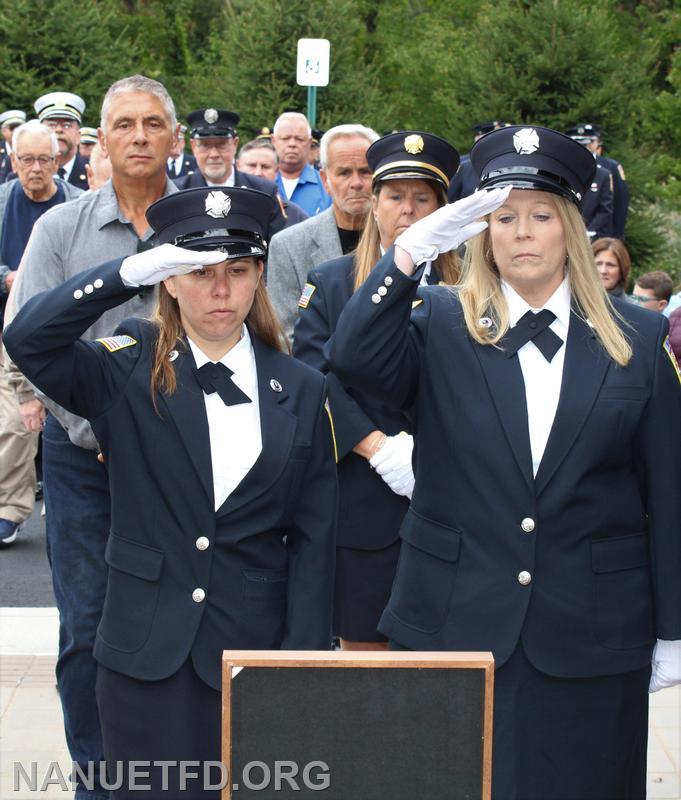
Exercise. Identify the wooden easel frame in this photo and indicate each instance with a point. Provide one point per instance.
(338, 659)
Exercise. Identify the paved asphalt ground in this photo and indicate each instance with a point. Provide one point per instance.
(24, 571)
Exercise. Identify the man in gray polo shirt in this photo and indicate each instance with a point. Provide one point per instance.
(138, 125)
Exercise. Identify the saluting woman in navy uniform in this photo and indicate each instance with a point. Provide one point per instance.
(546, 515)
(411, 172)
(222, 472)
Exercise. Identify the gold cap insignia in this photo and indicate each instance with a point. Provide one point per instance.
(413, 144)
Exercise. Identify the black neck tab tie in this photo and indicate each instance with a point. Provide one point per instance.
(61, 173)
(216, 377)
(533, 328)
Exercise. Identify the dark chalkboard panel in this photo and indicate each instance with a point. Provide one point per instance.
(357, 726)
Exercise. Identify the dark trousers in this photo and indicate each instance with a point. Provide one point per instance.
(77, 527)
(568, 738)
(176, 720)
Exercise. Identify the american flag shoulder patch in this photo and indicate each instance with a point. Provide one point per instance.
(113, 343)
(667, 345)
(305, 297)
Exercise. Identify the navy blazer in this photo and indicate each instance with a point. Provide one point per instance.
(620, 191)
(602, 532)
(277, 220)
(78, 176)
(188, 167)
(598, 204)
(370, 513)
(465, 182)
(268, 569)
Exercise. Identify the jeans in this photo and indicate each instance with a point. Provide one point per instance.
(77, 526)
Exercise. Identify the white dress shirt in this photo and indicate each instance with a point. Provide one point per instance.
(542, 378)
(176, 163)
(235, 435)
(67, 168)
(228, 182)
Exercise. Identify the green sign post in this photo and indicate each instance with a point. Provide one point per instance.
(312, 105)
(313, 71)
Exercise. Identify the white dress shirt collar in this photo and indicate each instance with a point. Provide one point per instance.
(237, 359)
(559, 303)
(228, 182)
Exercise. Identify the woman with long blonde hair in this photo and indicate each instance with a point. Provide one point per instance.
(411, 172)
(545, 518)
(215, 441)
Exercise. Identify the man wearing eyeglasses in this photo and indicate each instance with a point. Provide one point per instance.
(214, 143)
(22, 202)
(652, 290)
(62, 112)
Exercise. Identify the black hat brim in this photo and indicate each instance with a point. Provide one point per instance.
(231, 243)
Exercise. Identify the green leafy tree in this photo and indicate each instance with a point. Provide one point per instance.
(62, 45)
(249, 64)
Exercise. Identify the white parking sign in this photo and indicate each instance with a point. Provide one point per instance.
(313, 62)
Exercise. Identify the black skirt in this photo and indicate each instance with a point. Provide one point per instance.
(567, 738)
(172, 720)
(363, 582)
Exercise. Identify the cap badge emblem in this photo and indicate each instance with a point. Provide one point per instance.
(218, 205)
(526, 141)
(210, 115)
(413, 144)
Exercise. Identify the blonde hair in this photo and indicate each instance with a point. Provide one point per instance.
(368, 250)
(261, 320)
(481, 295)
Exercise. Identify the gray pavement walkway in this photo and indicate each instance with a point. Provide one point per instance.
(31, 729)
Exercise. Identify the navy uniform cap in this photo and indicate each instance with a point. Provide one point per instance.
(481, 128)
(213, 122)
(533, 158)
(413, 154)
(264, 133)
(317, 134)
(229, 219)
(585, 132)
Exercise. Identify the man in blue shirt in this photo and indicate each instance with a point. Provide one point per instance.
(297, 180)
(22, 202)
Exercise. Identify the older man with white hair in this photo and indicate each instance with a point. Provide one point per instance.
(295, 251)
(297, 180)
(22, 202)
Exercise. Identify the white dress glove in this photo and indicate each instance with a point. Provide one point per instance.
(393, 463)
(153, 266)
(451, 225)
(666, 665)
